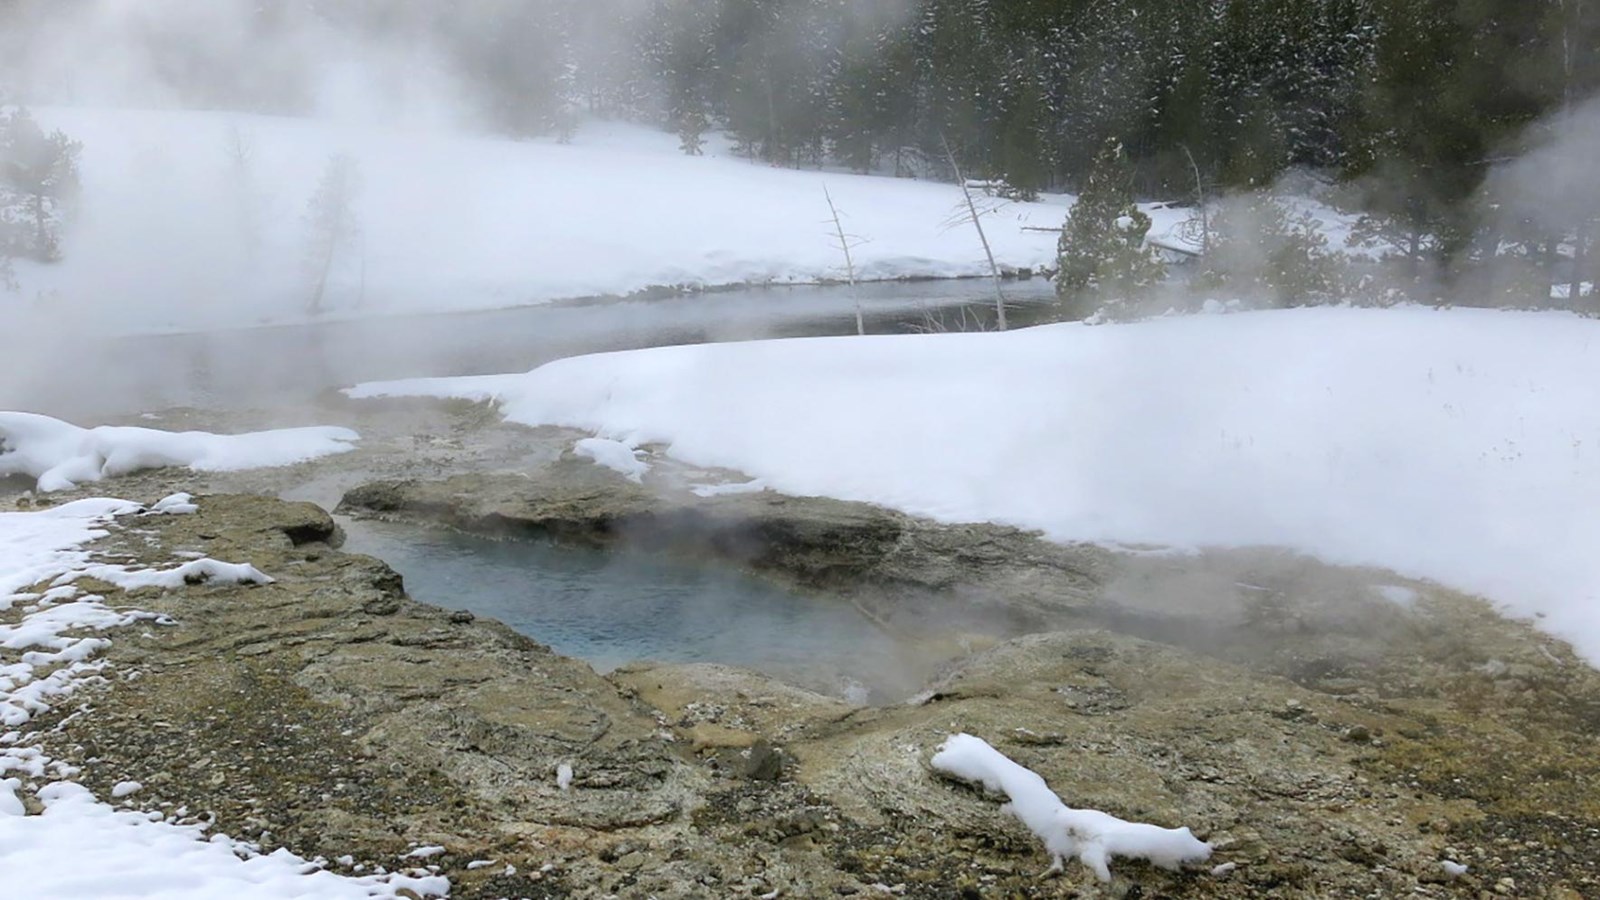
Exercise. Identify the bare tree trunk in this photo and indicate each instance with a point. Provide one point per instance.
(1580, 252)
(972, 212)
(327, 268)
(41, 242)
(1200, 202)
(849, 263)
(322, 281)
(1550, 252)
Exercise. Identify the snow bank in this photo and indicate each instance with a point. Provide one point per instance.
(1461, 445)
(61, 455)
(1092, 836)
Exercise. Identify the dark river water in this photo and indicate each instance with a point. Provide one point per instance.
(288, 365)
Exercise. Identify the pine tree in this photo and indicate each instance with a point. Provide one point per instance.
(38, 179)
(691, 125)
(1102, 250)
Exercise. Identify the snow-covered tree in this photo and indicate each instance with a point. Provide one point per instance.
(689, 121)
(332, 223)
(1102, 248)
(38, 180)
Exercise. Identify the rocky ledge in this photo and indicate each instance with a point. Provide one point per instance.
(1329, 742)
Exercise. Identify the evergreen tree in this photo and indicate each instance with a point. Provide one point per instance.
(690, 123)
(38, 179)
(1102, 250)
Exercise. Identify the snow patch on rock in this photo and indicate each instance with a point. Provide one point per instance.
(1092, 836)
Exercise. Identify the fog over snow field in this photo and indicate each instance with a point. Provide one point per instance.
(195, 219)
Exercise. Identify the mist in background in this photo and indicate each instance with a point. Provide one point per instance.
(247, 162)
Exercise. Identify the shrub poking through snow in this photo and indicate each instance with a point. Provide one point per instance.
(1088, 834)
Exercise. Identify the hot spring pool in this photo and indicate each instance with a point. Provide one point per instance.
(609, 608)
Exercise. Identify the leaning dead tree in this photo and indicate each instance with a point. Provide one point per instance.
(845, 245)
(972, 215)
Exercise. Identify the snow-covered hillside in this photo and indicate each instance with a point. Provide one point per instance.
(1461, 446)
(190, 219)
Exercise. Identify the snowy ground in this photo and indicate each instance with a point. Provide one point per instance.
(81, 846)
(60, 455)
(1461, 446)
(191, 220)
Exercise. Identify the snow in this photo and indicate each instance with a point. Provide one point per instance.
(456, 222)
(61, 455)
(1459, 446)
(80, 848)
(197, 571)
(179, 504)
(754, 486)
(614, 455)
(1094, 837)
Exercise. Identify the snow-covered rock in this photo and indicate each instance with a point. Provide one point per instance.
(1091, 836)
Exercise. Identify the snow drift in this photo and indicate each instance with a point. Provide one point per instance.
(1459, 445)
(60, 455)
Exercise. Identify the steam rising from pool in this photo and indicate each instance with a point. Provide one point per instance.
(612, 608)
